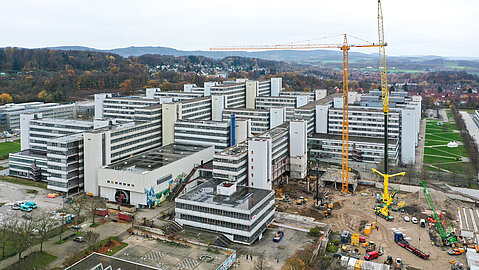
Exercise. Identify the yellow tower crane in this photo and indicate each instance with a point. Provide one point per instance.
(345, 46)
(387, 199)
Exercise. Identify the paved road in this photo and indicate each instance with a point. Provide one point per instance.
(471, 126)
(69, 247)
(443, 114)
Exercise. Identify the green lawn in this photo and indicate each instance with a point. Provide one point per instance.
(432, 160)
(447, 137)
(9, 147)
(116, 249)
(9, 251)
(22, 181)
(36, 260)
(460, 151)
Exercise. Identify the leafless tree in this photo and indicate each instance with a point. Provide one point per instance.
(44, 223)
(22, 232)
(260, 263)
(94, 203)
(77, 206)
(91, 237)
(5, 234)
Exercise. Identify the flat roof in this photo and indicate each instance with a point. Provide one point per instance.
(32, 153)
(351, 138)
(156, 158)
(244, 198)
(94, 260)
(235, 150)
(324, 100)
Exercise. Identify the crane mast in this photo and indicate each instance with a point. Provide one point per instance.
(384, 82)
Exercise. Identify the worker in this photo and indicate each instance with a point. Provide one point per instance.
(377, 228)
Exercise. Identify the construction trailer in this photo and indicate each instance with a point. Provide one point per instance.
(401, 241)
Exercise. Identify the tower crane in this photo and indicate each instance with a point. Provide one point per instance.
(345, 47)
(387, 199)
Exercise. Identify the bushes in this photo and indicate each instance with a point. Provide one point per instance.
(315, 232)
(92, 248)
(331, 248)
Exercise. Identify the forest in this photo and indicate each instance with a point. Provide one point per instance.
(68, 75)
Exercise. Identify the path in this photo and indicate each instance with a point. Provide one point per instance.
(471, 126)
(421, 143)
(443, 114)
(69, 247)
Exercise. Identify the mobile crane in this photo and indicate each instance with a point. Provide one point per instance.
(448, 236)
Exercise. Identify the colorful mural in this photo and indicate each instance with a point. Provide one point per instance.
(153, 199)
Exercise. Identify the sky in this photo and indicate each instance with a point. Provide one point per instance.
(412, 27)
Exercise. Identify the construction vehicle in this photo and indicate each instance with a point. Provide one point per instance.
(399, 239)
(355, 240)
(456, 266)
(456, 251)
(301, 200)
(345, 237)
(278, 236)
(398, 264)
(367, 228)
(447, 237)
(279, 194)
(389, 260)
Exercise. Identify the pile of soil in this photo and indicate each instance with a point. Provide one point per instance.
(441, 201)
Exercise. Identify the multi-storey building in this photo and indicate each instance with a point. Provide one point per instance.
(10, 113)
(171, 96)
(290, 103)
(240, 213)
(314, 95)
(231, 164)
(235, 93)
(208, 133)
(261, 120)
(52, 151)
(109, 106)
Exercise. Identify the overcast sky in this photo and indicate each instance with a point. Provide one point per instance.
(413, 27)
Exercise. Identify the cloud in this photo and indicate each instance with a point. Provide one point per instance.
(412, 27)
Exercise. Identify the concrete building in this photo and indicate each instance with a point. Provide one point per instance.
(235, 93)
(289, 103)
(231, 164)
(261, 120)
(298, 148)
(104, 146)
(268, 157)
(147, 179)
(110, 106)
(172, 96)
(52, 151)
(314, 95)
(206, 133)
(10, 113)
(240, 213)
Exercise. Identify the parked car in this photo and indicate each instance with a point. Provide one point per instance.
(422, 223)
(406, 218)
(371, 255)
(15, 206)
(79, 239)
(31, 204)
(414, 220)
(25, 208)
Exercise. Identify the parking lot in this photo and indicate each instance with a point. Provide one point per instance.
(10, 193)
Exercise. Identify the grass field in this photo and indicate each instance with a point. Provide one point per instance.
(436, 152)
(22, 181)
(9, 147)
(36, 260)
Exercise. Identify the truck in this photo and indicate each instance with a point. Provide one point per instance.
(371, 255)
(401, 241)
(278, 236)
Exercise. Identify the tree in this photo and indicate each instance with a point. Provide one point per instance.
(94, 203)
(5, 98)
(5, 234)
(45, 96)
(126, 87)
(91, 237)
(260, 263)
(22, 230)
(76, 206)
(44, 223)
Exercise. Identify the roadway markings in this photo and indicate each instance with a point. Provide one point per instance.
(188, 263)
(153, 255)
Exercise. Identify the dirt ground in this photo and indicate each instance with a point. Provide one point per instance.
(354, 211)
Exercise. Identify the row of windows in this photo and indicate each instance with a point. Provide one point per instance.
(154, 136)
(213, 211)
(119, 183)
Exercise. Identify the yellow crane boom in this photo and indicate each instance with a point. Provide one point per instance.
(345, 46)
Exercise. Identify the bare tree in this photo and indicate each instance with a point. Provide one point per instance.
(44, 223)
(94, 203)
(5, 234)
(22, 234)
(91, 237)
(260, 263)
(77, 206)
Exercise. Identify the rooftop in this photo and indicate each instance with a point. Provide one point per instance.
(94, 260)
(235, 150)
(352, 139)
(325, 100)
(156, 158)
(244, 198)
(32, 153)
